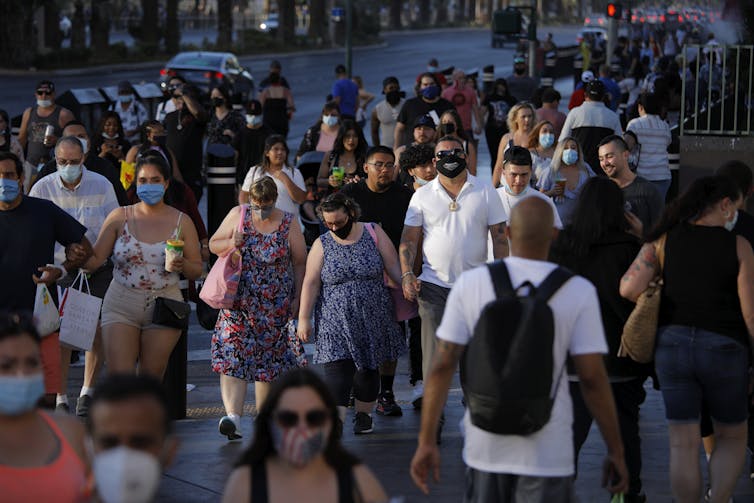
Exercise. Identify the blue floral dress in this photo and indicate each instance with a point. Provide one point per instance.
(255, 340)
(354, 318)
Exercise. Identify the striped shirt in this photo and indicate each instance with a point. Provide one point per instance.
(89, 202)
(654, 137)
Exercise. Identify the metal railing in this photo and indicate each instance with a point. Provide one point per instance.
(718, 90)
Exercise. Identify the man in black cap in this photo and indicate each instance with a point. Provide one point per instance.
(590, 122)
(385, 113)
(132, 113)
(250, 143)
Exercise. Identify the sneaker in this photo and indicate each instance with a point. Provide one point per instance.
(62, 408)
(417, 395)
(229, 428)
(82, 405)
(362, 423)
(386, 405)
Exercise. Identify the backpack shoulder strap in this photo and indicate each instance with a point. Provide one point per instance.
(553, 282)
(501, 280)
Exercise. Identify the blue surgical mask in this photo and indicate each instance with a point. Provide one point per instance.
(70, 173)
(570, 156)
(126, 98)
(253, 120)
(9, 190)
(421, 181)
(330, 120)
(546, 140)
(151, 193)
(431, 92)
(431, 69)
(20, 394)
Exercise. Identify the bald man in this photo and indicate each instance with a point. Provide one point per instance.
(508, 468)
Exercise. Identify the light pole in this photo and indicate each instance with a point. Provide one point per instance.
(349, 32)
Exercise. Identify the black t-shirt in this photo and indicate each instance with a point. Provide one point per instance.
(385, 208)
(28, 234)
(95, 164)
(416, 107)
(643, 200)
(250, 147)
(186, 143)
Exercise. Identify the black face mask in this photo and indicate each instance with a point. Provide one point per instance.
(447, 129)
(393, 97)
(520, 71)
(345, 230)
(218, 102)
(451, 166)
(161, 141)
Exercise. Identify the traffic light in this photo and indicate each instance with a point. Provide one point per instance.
(614, 10)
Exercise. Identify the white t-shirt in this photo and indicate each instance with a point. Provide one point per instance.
(284, 201)
(454, 241)
(578, 330)
(509, 201)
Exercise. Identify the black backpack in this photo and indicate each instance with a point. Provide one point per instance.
(507, 367)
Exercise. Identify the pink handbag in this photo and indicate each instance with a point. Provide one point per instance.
(221, 285)
(404, 309)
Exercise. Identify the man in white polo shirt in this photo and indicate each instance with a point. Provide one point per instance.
(539, 466)
(452, 216)
(89, 198)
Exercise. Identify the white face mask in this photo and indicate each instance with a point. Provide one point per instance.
(84, 144)
(109, 137)
(125, 475)
(44, 103)
(731, 224)
(421, 181)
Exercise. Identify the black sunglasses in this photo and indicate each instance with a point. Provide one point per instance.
(44, 92)
(314, 418)
(445, 153)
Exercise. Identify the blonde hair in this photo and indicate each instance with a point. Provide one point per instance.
(513, 112)
(263, 189)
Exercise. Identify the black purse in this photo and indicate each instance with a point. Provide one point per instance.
(171, 313)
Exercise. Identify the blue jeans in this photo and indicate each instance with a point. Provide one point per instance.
(694, 365)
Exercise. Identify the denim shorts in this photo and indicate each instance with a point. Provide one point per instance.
(694, 365)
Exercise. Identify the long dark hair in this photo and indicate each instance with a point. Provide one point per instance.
(699, 197)
(262, 446)
(109, 115)
(6, 133)
(599, 211)
(270, 142)
(360, 154)
(175, 192)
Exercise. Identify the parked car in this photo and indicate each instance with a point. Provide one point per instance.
(270, 23)
(208, 69)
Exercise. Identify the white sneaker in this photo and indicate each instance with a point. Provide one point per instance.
(417, 395)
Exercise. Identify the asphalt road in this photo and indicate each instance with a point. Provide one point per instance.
(310, 74)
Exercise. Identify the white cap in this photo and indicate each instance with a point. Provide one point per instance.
(587, 76)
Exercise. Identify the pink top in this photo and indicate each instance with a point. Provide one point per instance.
(326, 141)
(62, 481)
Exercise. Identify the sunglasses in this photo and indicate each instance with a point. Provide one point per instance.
(314, 418)
(445, 153)
(44, 92)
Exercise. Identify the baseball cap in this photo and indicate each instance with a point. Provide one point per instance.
(595, 90)
(424, 120)
(587, 76)
(46, 84)
(519, 59)
(254, 107)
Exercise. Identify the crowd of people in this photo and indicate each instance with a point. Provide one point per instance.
(390, 260)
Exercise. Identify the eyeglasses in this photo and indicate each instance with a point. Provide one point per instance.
(44, 92)
(382, 165)
(314, 418)
(445, 153)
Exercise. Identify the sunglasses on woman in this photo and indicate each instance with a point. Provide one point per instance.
(314, 418)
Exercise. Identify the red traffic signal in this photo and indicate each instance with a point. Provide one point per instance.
(614, 10)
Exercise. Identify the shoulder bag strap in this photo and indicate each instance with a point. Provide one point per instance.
(370, 228)
(501, 280)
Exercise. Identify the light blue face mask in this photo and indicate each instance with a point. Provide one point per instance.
(151, 193)
(20, 394)
(254, 120)
(9, 190)
(330, 120)
(570, 156)
(70, 173)
(421, 181)
(546, 140)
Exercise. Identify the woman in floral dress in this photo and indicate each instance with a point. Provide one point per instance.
(354, 323)
(253, 340)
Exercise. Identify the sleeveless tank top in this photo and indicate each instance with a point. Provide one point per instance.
(259, 484)
(701, 281)
(63, 480)
(141, 265)
(35, 134)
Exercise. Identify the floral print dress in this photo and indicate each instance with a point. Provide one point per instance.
(255, 341)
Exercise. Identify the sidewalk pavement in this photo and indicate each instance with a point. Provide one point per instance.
(205, 458)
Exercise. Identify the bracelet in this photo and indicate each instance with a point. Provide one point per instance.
(409, 273)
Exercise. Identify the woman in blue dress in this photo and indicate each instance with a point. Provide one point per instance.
(354, 325)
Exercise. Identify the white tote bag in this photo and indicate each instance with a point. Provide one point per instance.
(46, 317)
(79, 313)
